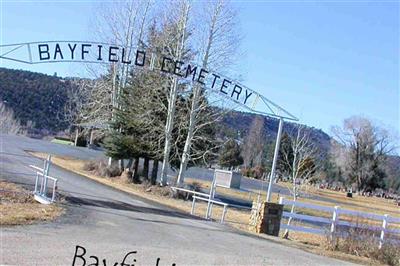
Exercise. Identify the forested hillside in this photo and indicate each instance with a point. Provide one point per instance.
(41, 99)
(240, 122)
(35, 97)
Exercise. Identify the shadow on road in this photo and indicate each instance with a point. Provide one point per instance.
(118, 205)
(86, 203)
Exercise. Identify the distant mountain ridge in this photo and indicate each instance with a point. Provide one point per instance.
(241, 122)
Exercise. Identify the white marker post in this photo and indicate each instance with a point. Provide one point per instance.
(274, 162)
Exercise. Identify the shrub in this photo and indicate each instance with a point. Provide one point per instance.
(101, 168)
(195, 186)
(258, 171)
(90, 165)
(255, 172)
(8, 123)
(112, 171)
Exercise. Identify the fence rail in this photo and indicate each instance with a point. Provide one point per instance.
(330, 225)
(209, 198)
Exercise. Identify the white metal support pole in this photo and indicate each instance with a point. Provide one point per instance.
(44, 166)
(54, 191)
(384, 225)
(46, 173)
(335, 218)
(210, 197)
(48, 164)
(274, 162)
(36, 183)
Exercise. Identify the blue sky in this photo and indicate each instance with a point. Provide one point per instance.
(323, 61)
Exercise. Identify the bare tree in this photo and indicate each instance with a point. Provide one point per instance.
(300, 161)
(122, 23)
(89, 101)
(364, 148)
(180, 18)
(8, 123)
(218, 42)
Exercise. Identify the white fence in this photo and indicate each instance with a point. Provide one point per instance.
(324, 225)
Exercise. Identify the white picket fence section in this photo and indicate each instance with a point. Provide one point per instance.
(329, 225)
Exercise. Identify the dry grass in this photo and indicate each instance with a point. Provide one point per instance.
(360, 241)
(236, 218)
(17, 206)
(358, 203)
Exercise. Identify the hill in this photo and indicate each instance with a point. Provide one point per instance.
(240, 122)
(35, 97)
(41, 99)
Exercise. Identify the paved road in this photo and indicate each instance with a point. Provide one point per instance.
(109, 224)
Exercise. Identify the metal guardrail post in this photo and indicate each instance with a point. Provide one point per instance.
(193, 203)
(223, 214)
(383, 231)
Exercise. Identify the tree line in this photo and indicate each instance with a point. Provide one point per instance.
(361, 156)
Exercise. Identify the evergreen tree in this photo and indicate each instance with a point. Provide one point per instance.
(284, 148)
(230, 155)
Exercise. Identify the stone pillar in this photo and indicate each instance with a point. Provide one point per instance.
(266, 218)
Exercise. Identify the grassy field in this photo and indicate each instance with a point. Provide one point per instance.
(64, 142)
(18, 207)
(237, 218)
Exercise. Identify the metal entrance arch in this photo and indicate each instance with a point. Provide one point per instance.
(105, 53)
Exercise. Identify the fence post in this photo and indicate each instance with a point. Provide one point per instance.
(335, 218)
(193, 203)
(36, 183)
(384, 225)
(223, 214)
(281, 199)
(46, 173)
(54, 190)
(211, 197)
